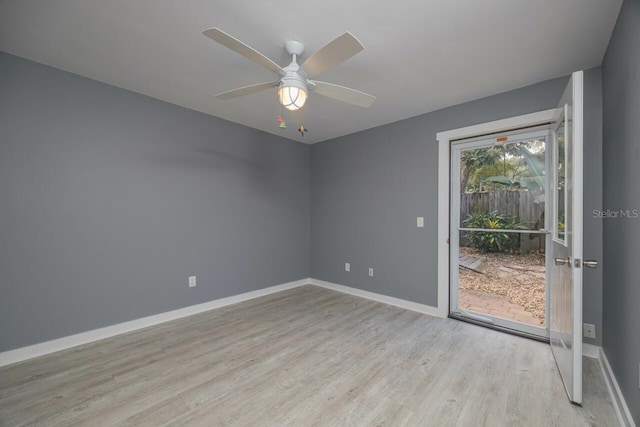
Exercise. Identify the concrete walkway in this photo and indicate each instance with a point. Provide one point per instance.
(496, 305)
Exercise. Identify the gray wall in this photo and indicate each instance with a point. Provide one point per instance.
(368, 188)
(110, 199)
(621, 315)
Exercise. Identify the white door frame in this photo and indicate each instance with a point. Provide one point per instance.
(444, 185)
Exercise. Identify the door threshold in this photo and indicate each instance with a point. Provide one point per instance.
(499, 328)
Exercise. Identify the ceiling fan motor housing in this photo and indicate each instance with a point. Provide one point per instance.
(294, 47)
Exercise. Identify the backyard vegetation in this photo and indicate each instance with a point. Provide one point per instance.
(514, 165)
(493, 241)
(502, 188)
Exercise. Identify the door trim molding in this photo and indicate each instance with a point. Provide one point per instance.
(445, 139)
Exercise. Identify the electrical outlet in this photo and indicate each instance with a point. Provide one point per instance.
(420, 222)
(347, 266)
(589, 330)
(192, 281)
(370, 271)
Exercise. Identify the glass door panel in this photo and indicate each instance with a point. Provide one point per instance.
(499, 263)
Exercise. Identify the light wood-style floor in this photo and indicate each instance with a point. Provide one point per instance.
(304, 357)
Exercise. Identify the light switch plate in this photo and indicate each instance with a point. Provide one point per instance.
(192, 281)
(420, 222)
(347, 266)
(370, 271)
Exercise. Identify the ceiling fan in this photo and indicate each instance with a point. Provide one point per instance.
(294, 83)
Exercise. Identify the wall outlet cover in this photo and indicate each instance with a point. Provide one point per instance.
(370, 271)
(347, 266)
(589, 330)
(192, 281)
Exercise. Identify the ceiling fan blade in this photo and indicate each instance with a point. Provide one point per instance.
(332, 54)
(246, 90)
(344, 94)
(237, 46)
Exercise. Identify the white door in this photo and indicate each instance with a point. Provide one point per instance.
(565, 287)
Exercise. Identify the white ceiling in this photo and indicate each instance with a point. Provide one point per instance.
(420, 55)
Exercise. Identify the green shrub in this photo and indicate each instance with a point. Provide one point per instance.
(493, 241)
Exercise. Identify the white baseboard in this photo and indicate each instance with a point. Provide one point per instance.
(590, 350)
(619, 404)
(40, 349)
(408, 305)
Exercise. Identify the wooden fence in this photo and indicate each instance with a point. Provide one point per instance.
(520, 204)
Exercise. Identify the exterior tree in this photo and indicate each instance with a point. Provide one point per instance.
(476, 159)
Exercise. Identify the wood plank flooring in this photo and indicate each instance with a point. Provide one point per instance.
(303, 357)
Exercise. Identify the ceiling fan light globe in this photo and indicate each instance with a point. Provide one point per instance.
(292, 98)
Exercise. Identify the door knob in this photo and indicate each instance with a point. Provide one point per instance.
(591, 263)
(562, 261)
